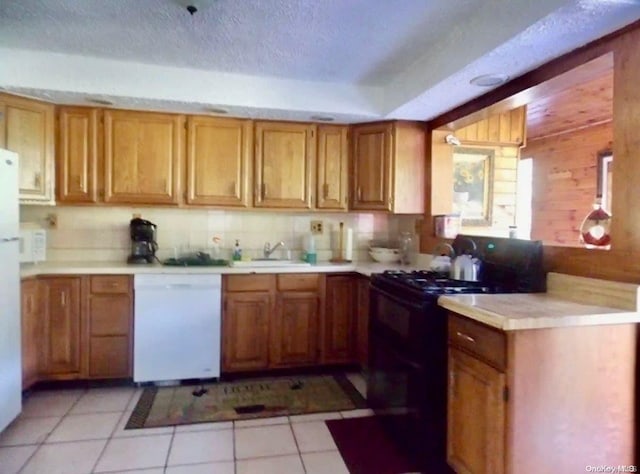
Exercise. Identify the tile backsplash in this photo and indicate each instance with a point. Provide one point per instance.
(102, 233)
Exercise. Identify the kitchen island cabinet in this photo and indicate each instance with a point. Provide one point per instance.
(543, 382)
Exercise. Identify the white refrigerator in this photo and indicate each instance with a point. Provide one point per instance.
(10, 351)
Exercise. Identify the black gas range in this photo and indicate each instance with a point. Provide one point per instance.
(407, 383)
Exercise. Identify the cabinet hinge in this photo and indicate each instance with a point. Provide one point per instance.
(505, 394)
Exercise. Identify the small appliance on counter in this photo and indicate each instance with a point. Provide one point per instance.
(33, 243)
(143, 241)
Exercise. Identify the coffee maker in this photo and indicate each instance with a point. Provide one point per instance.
(143, 241)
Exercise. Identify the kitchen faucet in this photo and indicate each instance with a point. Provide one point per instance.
(268, 250)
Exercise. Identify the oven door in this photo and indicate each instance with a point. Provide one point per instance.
(407, 372)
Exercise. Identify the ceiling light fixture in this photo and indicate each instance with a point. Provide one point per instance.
(489, 80)
(216, 110)
(95, 100)
(322, 118)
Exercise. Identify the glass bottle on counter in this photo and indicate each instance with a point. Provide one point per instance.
(405, 242)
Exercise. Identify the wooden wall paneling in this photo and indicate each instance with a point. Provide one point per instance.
(625, 231)
(564, 181)
(501, 128)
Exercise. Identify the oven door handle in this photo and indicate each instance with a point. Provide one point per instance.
(395, 299)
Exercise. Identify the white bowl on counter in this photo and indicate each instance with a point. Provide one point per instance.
(384, 255)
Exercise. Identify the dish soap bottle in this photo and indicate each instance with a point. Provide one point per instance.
(237, 252)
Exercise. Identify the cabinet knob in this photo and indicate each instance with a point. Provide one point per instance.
(466, 337)
(359, 193)
(37, 180)
(264, 190)
(325, 190)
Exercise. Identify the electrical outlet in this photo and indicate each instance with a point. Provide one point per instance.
(52, 220)
(316, 227)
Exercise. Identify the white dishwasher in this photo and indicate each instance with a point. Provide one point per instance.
(176, 327)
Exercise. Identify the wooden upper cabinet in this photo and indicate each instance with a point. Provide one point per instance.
(476, 416)
(142, 155)
(388, 166)
(371, 167)
(284, 161)
(332, 180)
(61, 327)
(28, 130)
(219, 161)
(77, 154)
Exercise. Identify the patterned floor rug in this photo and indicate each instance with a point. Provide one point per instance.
(242, 400)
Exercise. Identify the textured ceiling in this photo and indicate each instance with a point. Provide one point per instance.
(355, 60)
(325, 40)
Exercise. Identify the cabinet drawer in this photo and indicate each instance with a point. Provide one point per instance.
(487, 343)
(110, 284)
(109, 315)
(298, 281)
(249, 282)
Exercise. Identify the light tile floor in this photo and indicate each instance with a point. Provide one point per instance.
(82, 432)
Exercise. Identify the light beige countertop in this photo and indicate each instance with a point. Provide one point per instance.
(569, 301)
(120, 268)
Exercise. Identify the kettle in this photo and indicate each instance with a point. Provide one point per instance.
(465, 266)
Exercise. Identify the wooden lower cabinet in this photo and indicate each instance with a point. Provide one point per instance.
(245, 331)
(109, 325)
(540, 400)
(31, 325)
(339, 328)
(476, 415)
(362, 321)
(76, 327)
(62, 321)
(294, 336)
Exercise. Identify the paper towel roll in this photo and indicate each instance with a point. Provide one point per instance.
(348, 243)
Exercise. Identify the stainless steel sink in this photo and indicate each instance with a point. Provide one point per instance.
(269, 262)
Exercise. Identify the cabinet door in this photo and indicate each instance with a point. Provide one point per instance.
(294, 330)
(476, 416)
(245, 331)
(77, 154)
(142, 154)
(332, 179)
(363, 321)
(218, 161)
(62, 326)
(372, 166)
(109, 328)
(31, 332)
(284, 158)
(29, 131)
(339, 329)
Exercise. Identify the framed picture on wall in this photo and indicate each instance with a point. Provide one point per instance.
(472, 181)
(605, 163)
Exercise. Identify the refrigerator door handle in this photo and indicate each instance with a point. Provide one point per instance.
(11, 239)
